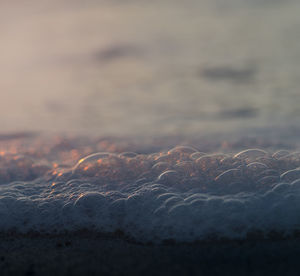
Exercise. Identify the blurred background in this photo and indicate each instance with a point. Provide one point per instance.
(149, 67)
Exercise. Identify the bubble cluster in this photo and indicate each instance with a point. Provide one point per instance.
(185, 168)
(181, 194)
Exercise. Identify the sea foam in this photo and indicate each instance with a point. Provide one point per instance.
(182, 194)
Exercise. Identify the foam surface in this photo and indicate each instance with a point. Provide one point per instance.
(182, 194)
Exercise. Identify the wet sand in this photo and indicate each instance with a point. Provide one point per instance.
(90, 254)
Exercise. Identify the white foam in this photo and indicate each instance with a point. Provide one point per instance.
(179, 194)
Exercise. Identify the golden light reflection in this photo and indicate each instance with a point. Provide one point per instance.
(59, 162)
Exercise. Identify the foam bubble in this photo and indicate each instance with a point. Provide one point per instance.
(290, 175)
(181, 193)
(250, 154)
(170, 177)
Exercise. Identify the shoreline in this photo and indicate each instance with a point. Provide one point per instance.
(87, 254)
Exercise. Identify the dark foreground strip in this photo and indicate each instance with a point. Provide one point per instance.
(95, 254)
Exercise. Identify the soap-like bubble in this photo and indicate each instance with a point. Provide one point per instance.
(164, 196)
(182, 150)
(112, 168)
(90, 159)
(251, 154)
(170, 177)
(296, 185)
(197, 203)
(293, 156)
(177, 154)
(290, 175)
(228, 176)
(281, 187)
(128, 154)
(257, 166)
(268, 172)
(268, 180)
(280, 154)
(160, 167)
(197, 155)
(186, 168)
(210, 162)
(171, 201)
(254, 169)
